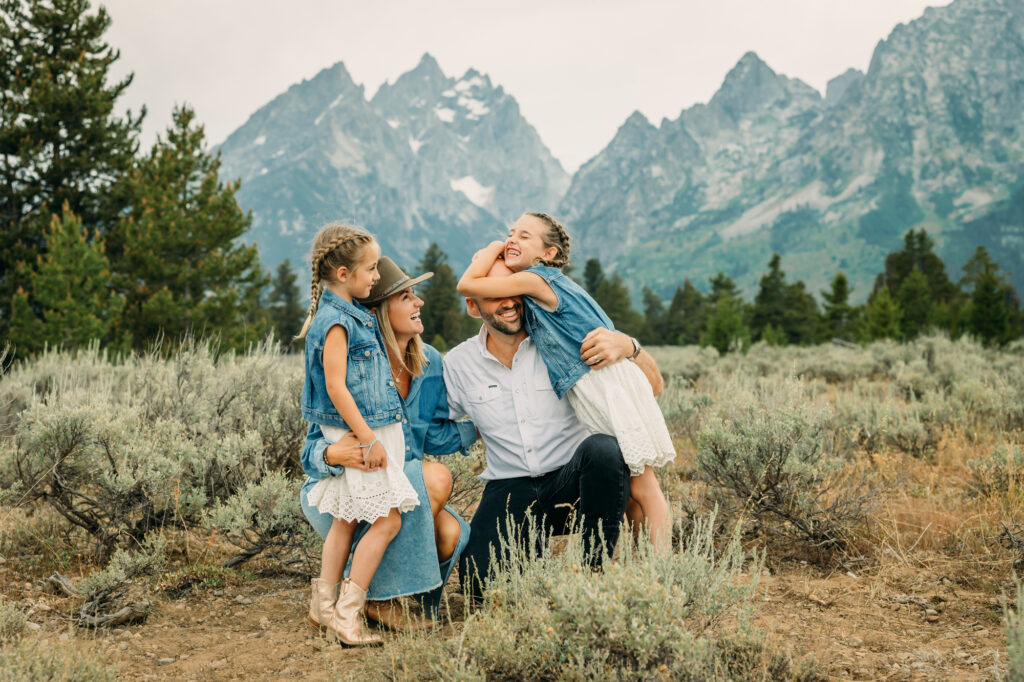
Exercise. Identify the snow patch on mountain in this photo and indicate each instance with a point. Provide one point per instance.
(445, 114)
(474, 191)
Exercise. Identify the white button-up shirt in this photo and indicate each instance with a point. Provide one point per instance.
(528, 431)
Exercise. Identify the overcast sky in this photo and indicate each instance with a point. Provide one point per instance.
(578, 68)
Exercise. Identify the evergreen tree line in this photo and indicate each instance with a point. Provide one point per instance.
(913, 295)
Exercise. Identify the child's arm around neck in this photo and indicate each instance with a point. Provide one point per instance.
(476, 284)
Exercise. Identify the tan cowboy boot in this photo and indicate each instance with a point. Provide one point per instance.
(395, 616)
(321, 606)
(347, 622)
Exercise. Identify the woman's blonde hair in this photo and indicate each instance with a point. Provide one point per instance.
(414, 359)
(335, 246)
(555, 236)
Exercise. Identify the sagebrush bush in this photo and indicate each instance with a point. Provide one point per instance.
(123, 446)
(1000, 472)
(264, 518)
(1013, 628)
(647, 615)
(768, 455)
(31, 660)
(12, 621)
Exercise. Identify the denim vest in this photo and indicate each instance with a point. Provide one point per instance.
(367, 376)
(559, 334)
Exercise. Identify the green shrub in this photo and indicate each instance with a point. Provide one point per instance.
(999, 472)
(12, 621)
(646, 615)
(31, 660)
(120, 447)
(768, 455)
(265, 518)
(1014, 631)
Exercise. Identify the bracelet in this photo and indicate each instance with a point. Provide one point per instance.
(325, 458)
(368, 445)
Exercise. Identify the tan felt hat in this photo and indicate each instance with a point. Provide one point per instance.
(392, 280)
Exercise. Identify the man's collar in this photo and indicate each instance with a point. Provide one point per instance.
(481, 340)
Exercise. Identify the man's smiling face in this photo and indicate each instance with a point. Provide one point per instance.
(503, 315)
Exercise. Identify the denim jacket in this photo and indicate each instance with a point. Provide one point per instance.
(367, 376)
(409, 565)
(560, 334)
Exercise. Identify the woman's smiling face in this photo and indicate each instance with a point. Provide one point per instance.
(525, 243)
(404, 313)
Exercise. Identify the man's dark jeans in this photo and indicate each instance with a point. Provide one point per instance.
(594, 485)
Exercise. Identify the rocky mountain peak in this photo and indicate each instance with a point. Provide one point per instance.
(838, 86)
(749, 86)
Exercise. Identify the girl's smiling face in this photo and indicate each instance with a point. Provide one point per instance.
(404, 313)
(524, 245)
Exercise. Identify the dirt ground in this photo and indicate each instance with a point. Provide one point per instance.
(896, 623)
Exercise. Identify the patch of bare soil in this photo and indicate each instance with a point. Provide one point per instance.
(890, 624)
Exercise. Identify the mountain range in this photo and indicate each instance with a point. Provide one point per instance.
(931, 136)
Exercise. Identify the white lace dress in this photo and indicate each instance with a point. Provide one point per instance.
(367, 495)
(618, 400)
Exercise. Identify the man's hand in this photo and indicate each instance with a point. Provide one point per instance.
(601, 347)
(345, 453)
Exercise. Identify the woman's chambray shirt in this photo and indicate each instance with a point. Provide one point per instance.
(367, 376)
(409, 565)
(559, 333)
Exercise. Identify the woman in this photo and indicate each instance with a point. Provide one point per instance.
(410, 566)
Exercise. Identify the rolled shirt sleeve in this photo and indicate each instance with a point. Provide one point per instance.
(313, 455)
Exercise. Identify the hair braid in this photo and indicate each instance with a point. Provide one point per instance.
(556, 236)
(335, 246)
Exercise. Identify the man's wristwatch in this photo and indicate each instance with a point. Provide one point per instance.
(636, 348)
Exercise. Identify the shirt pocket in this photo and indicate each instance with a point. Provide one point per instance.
(484, 403)
(363, 377)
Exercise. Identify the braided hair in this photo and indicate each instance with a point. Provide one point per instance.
(335, 246)
(555, 236)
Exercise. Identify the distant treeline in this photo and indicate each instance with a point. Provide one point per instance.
(100, 240)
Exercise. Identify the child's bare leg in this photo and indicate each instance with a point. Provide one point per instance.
(371, 548)
(635, 517)
(646, 491)
(438, 480)
(336, 548)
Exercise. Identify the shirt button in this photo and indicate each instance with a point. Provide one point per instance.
(405, 421)
(366, 353)
(407, 448)
(391, 383)
(398, 417)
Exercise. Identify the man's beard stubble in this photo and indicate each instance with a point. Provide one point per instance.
(500, 325)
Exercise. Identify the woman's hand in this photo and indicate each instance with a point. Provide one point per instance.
(345, 453)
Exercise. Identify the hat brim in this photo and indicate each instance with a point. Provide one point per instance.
(398, 286)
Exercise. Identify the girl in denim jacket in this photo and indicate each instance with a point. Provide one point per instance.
(617, 399)
(348, 387)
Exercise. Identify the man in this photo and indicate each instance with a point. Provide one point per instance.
(541, 462)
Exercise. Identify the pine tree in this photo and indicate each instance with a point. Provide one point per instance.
(178, 254)
(685, 317)
(915, 300)
(60, 140)
(654, 319)
(285, 305)
(788, 309)
(882, 317)
(593, 275)
(725, 328)
(839, 314)
(443, 315)
(68, 301)
(613, 297)
(919, 252)
(992, 304)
